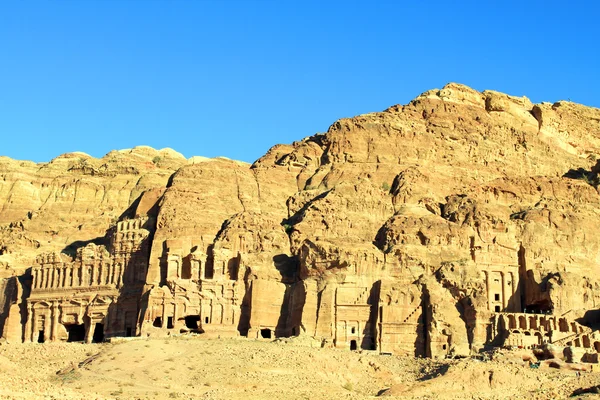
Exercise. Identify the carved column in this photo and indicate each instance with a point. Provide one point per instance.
(85, 276)
(74, 272)
(55, 276)
(111, 273)
(487, 287)
(47, 324)
(89, 330)
(74, 276)
(101, 272)
(119, 275)
(34, 324)
(164, 314)
(69, 276)
(109, 268)
(98, 273)
(194, 268)
(108, 277)
(54, 322)
(28, 324)
(504, 294)
(65, 276)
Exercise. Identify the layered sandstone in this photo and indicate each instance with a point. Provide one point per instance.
(461, 220)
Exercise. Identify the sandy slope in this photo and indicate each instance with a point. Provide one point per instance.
(202, 368)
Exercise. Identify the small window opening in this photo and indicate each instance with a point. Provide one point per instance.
(353, 330)
(497, 308)
(170, 323)
(265, 333)
(353, 345)
(41, 337)
(444, 347)
(157, 322)
(206, 320)
(497, 296)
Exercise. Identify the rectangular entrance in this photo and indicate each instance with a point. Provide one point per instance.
(76, 332)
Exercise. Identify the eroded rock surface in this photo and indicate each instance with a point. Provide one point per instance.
(458, 221)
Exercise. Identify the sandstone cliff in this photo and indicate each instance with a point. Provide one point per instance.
(430, 228)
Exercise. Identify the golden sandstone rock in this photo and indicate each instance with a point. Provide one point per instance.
(460, 221)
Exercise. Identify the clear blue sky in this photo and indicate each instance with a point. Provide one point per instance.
(233, 78)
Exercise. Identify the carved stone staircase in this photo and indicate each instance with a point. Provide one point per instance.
(363, 296)
(572, 337)
(411, 314)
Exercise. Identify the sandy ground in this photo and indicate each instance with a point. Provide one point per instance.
(203, 368)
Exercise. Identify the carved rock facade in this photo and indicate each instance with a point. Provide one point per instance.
(459, 221)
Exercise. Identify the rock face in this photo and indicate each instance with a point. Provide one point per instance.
(458, 221)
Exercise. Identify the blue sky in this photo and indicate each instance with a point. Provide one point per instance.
(233, 78)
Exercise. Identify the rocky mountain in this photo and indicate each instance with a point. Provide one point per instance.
(461, 220)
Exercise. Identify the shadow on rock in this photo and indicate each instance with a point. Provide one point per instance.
(589, 390)
(434, 372)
